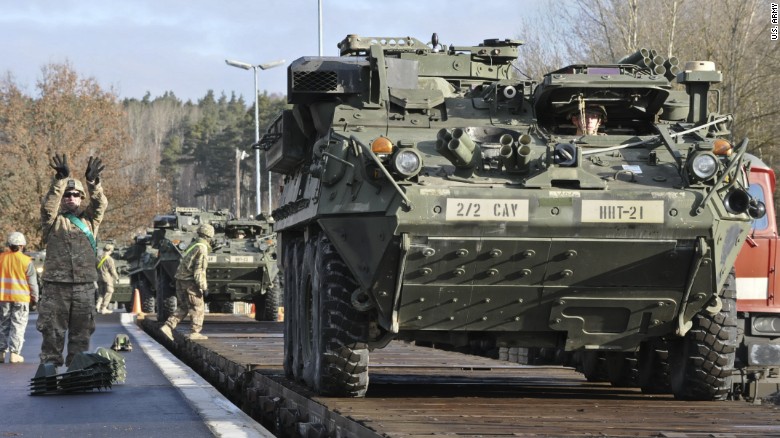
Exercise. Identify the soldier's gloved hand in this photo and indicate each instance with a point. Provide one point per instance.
(60, 164)
(94, 167)
(205, 292)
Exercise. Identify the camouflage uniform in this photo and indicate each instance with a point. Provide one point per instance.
(107, 276)
(191, 285)
(68, 305)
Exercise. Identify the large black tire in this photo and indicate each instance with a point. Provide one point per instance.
(622, 369)
(654, 375)
(148, 299)
(702, 362)
(166, 296)
(332, 332)
(593, 364)
(267, 305)
(293, 264)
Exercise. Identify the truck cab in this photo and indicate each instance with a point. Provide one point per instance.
(758, 306)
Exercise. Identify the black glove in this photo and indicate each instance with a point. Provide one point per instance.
(60, 164)
(94, 167)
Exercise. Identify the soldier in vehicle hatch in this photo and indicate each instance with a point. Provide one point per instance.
(588, 120)
(191, 285)
(69, 230)
(107, 276)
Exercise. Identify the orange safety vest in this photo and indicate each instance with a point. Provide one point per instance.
(13, 277)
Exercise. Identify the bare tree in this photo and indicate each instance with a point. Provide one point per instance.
(74, 116)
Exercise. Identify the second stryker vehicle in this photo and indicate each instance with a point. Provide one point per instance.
(433, 194)
(141, 259)
(123, 289)
(238, 270)
(242, 267)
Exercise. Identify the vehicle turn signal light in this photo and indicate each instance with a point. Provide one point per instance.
(382, 145)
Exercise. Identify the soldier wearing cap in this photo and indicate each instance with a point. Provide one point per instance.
(589, 119)
(69, 232)
(107, 276)
(18, 289)
(191, 285)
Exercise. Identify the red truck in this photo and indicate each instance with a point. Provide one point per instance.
(758, 295)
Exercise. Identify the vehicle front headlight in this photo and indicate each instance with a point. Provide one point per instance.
(703, 166)
(407, 162)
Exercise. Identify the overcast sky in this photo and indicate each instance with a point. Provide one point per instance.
(137, 46)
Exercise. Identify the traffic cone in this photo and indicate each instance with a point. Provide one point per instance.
(252, 310)
(280, 314)
(137, 310)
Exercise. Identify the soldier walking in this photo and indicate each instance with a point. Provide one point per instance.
(69, 276)
(107, 276)
(191, 285)
(18, 289)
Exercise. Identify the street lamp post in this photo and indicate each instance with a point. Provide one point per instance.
(247, 66)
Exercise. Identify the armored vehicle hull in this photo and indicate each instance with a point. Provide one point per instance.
(432, 196)
(123, 289)
(242, 267)
(239, 269)
(141, 259)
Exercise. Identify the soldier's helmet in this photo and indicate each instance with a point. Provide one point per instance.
(206, 231)
(597, 109)
(108, 247)
(75, 184)
(17, 239)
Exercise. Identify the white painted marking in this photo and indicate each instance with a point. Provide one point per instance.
(751, 288)
(221, 416)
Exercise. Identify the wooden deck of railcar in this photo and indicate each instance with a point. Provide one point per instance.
(417, 391)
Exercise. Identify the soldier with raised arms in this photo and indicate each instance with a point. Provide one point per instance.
(69, 232)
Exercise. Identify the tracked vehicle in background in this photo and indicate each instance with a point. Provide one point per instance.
(433, 195)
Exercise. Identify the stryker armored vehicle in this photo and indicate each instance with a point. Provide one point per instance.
(123, 290)
(242, 267)
(141, 259)
(434, 195)
(172, 234)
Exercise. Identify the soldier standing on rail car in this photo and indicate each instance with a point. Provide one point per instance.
(69, 276)
(107, 276)
(18, 289)
(191, 285)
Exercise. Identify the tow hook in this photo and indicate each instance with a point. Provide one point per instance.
(714, 306)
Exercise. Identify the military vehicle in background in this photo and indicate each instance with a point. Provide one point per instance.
(141, 259)
(123, 289)
(172, 234)
(433, 195)
(242, 267)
